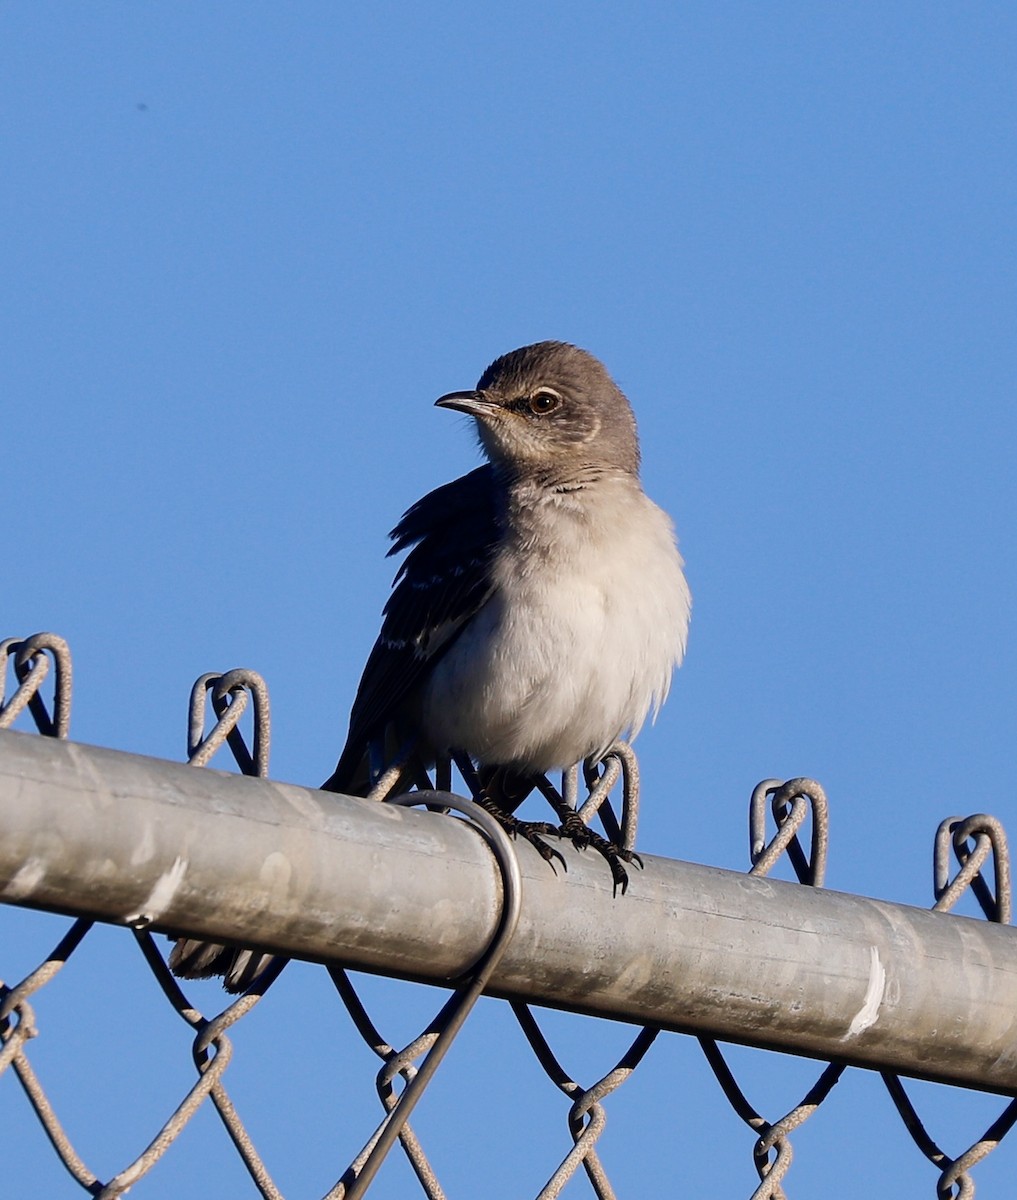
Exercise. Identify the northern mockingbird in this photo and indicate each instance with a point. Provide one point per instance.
(541, 608)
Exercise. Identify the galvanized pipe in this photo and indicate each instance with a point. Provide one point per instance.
(138, 841)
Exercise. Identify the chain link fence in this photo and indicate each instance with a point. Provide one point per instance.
(970, 856)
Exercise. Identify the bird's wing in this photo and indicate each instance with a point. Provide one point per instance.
(443, 581)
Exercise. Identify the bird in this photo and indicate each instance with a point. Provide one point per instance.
(541, 607)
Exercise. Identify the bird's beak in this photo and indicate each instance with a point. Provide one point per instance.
(476, 404)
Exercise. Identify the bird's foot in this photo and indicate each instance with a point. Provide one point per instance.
(578, 833)
(582, 837)
(533, 832)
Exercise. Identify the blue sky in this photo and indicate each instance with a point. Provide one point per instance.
(246, 246)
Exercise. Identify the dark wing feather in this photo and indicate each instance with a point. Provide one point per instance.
(443, 581)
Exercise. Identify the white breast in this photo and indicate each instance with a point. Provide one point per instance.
(576, 645)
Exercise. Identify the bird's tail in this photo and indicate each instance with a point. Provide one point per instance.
(239, 965)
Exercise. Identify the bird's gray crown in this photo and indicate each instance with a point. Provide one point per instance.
(551, 407)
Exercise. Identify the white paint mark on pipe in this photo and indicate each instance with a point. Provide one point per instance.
(869, 1012)
(24, 881)
(161, 895)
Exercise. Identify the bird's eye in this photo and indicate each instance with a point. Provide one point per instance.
(544, 401)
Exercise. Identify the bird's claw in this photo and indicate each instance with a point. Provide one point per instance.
(614, 855)
(533, 832)
(582, 836)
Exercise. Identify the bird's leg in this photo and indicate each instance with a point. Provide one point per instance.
(572, 826)
(488, 792)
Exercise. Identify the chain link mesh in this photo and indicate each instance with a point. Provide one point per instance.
(44, 659)
(971, 840)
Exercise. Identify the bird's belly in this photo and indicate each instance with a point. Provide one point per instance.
(547, 675)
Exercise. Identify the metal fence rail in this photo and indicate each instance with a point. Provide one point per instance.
(159, 847)
(308, 874)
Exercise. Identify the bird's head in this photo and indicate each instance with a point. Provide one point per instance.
(551, 408)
